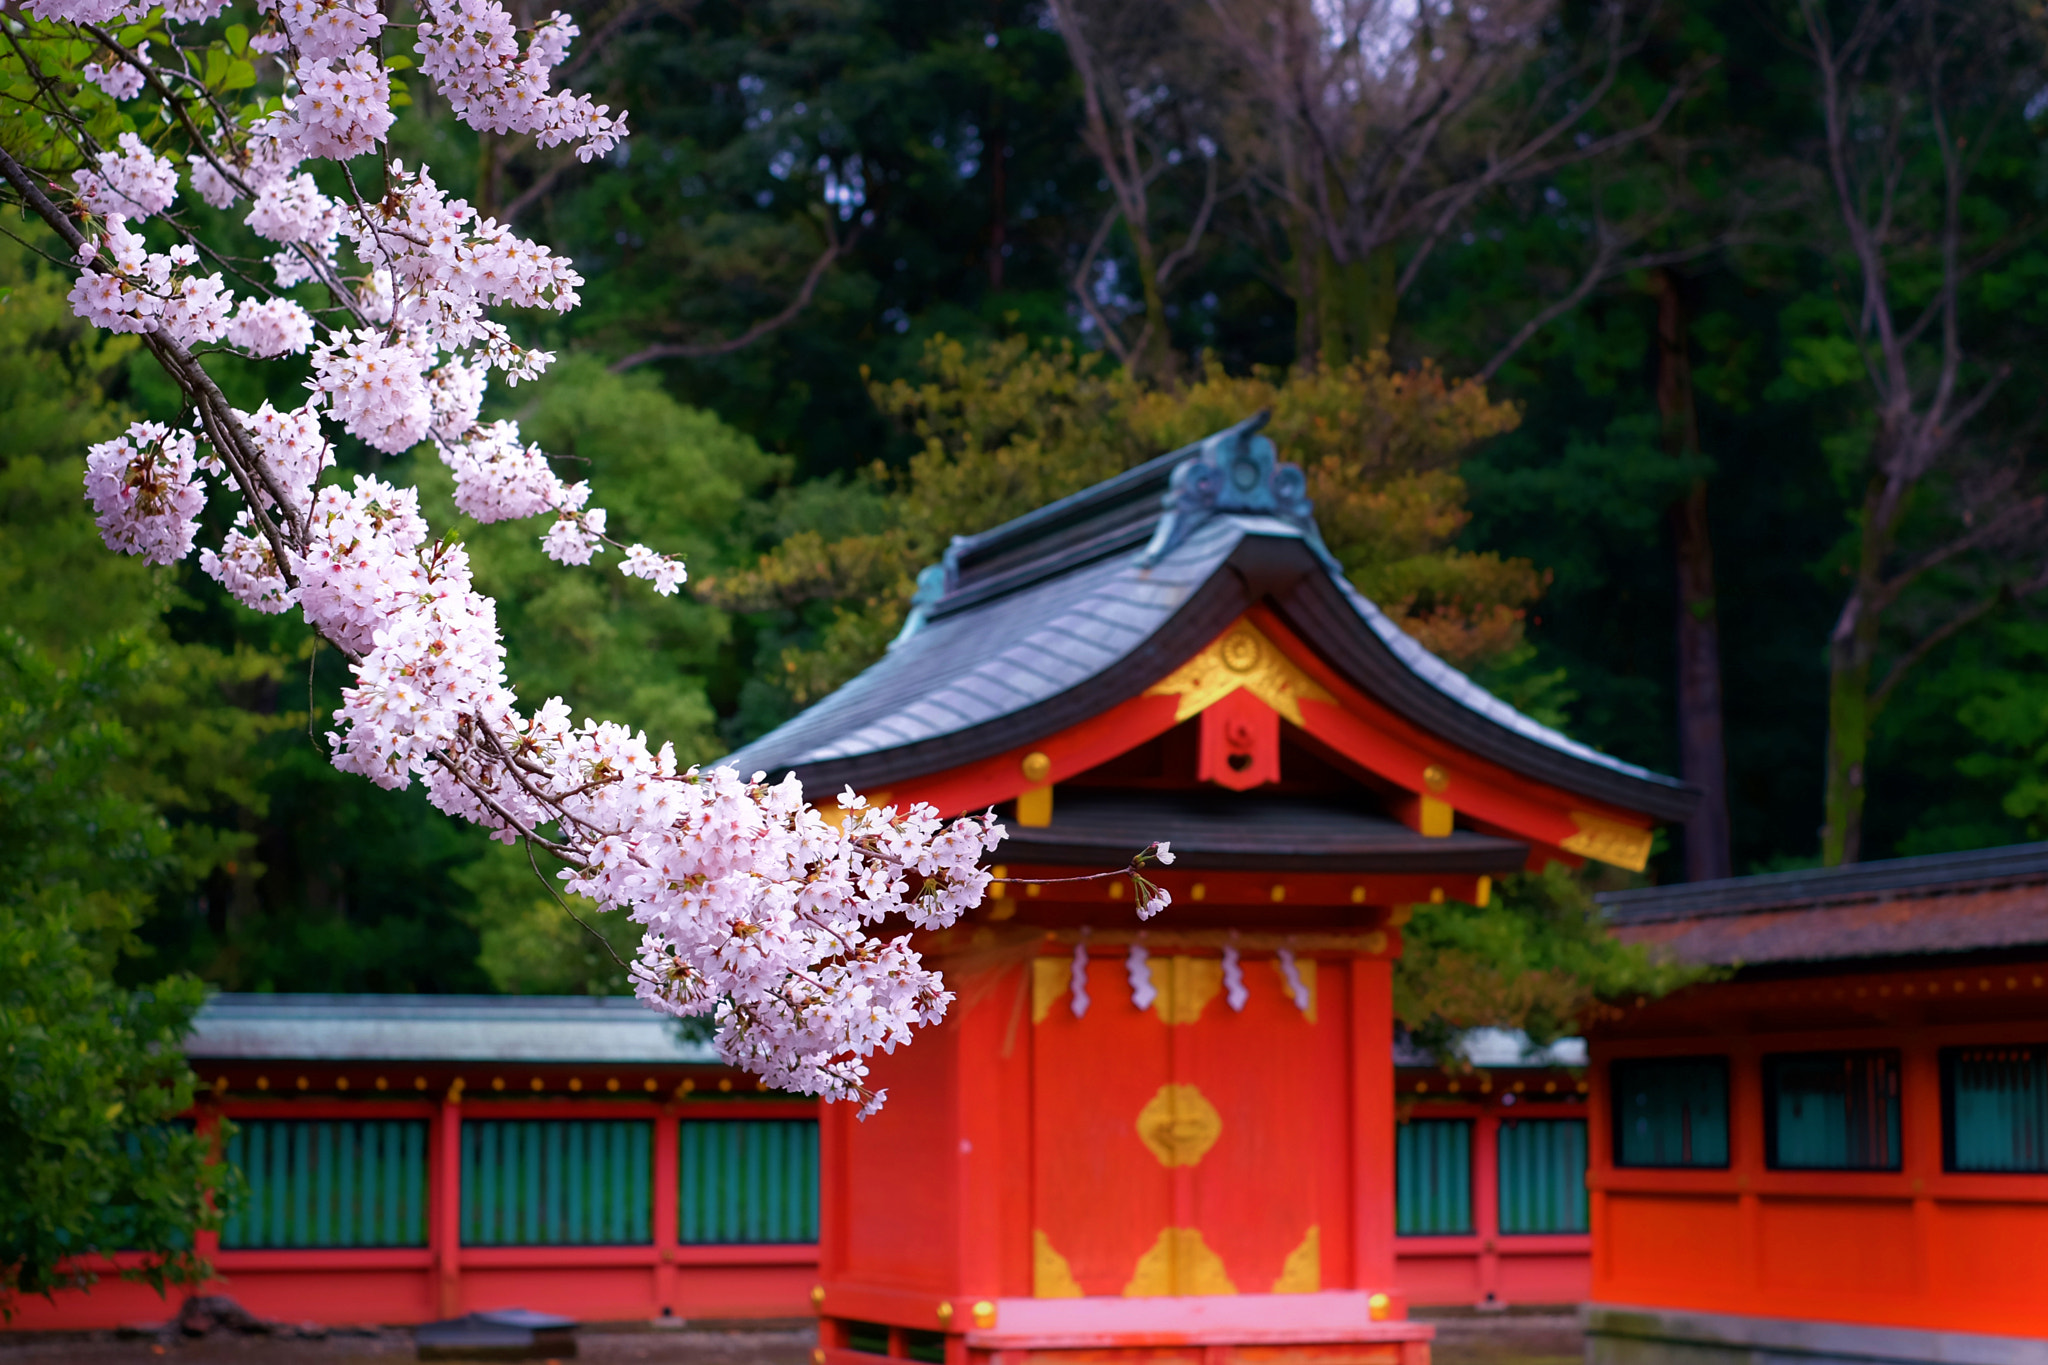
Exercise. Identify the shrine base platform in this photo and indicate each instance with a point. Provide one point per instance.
(1332, 1328)
(1622, 1335)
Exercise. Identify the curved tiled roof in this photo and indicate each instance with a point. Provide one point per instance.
(1982, 900)
(1063, 613)
(439, 1028)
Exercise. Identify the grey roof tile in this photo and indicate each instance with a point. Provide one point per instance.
(1039, 611)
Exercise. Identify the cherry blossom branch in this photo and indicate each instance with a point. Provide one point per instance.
(752, 908)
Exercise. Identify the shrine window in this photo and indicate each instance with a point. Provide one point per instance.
(1994, 1103)
(747, 1180)
(1832, 1111)
(1542, 1175)
(557, 1182)
(328, 1183)
(1433, 1177)
(1671, 1111)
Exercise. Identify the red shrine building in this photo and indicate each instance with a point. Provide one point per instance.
(1178, 1135)
(1197, 1134)
(1839, 1150)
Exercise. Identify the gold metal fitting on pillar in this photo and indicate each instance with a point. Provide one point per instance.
(984, 1314)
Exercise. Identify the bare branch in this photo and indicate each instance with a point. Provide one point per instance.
(1603, 258)
(1947, 631)
(674, 350)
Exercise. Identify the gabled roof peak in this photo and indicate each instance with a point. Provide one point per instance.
(1235, 470)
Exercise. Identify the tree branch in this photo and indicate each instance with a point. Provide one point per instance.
(675, 350)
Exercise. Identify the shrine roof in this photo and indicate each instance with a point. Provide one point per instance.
(445, 1028)
(1984, 899)
(1250, 830)
(1063, 613)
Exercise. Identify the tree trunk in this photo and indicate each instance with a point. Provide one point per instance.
(1355, 312)
(1154, 359)
(1702, 754)
(1851, 650)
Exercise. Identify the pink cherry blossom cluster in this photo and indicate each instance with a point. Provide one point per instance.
(469, 49)
(324, 28)
(290, 208)
(575, 536)
(756, 910)
(343, 107)
(665, 572)
(271, 327)
(500, 478)
(376, 387)
(133, 183)
(118, 79)
(147, 290)
(247, 567)
(145, 491)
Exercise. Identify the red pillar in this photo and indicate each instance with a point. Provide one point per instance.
(1746, 1149)
(1486, 1201)
(667, 1217)
(1920, 1143)
(444, 1232)
(1372, 1124)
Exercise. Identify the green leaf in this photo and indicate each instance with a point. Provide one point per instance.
(398, 61)
(238, 38)
(241, 75)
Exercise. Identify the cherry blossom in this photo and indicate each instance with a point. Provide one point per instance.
(247, 567)
(145, 491)
(133, 182)
(271, 327)
(118, 79)
(377, 388)
(665, 572)
(794, 934)
(343, 106)
(327, 30)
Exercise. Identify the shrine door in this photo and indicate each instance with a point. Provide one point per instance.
(1189, 1147)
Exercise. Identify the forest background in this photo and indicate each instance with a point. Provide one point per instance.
(1599, 402)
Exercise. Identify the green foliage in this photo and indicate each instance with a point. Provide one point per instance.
(530, 945)
(1006, 427)
(1536, 957)
(92, 1076)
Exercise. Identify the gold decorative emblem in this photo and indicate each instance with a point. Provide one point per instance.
(1037, 766)
(1609, 841)
(1184, 986)
(1435, 778)
(1302, 1271)
(1051, 1276)
(1179, 1263)
(1179, 1125)
(1239, 657)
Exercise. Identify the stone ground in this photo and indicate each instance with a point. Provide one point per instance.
(1517, 1338)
